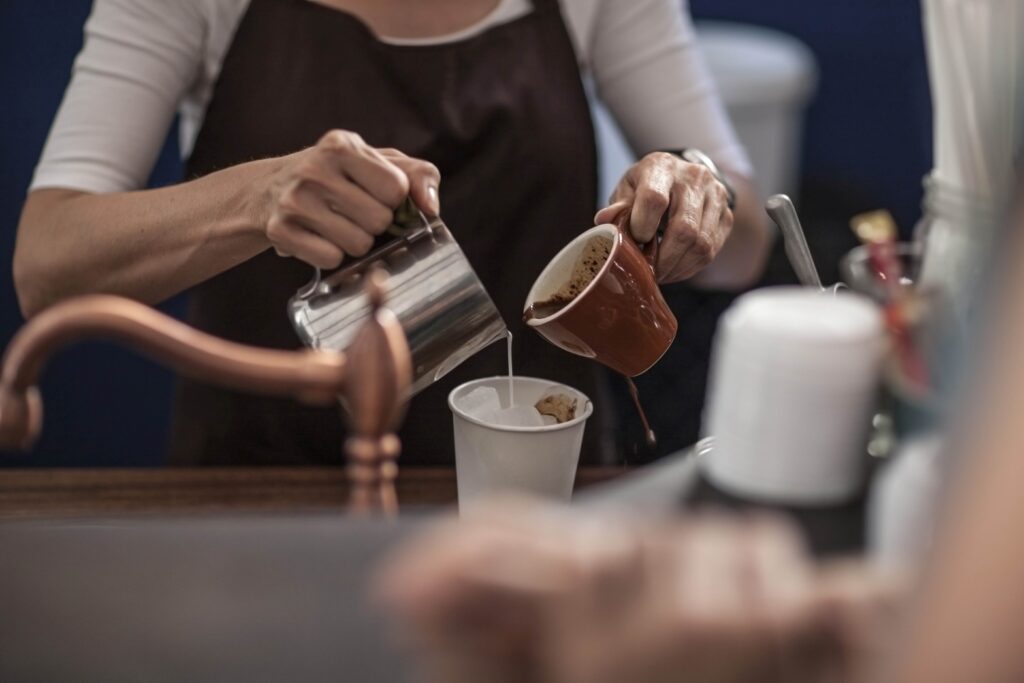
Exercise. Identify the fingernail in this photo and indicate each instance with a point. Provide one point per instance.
(435, 203)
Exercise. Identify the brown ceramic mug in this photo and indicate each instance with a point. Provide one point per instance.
(620, 318)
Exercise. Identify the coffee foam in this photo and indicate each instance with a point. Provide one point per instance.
(588, 264)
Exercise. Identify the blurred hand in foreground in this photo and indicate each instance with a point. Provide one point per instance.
(528, 593)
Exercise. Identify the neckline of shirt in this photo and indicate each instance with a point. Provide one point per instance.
(504, 12)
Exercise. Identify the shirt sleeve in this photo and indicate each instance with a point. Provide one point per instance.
(650, 73)
(138, 60)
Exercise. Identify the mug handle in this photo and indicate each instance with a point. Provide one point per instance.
(649, 250)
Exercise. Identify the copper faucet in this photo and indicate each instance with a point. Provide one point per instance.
(372, 377)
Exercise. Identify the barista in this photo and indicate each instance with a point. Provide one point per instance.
(305, 123)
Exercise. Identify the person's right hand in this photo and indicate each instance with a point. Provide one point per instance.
(332, 199)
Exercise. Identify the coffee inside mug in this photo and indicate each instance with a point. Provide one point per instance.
(616, 316)
(571, 274)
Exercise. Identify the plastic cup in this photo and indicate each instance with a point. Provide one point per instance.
(492, 459)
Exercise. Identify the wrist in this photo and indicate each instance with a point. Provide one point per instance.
(256, 195)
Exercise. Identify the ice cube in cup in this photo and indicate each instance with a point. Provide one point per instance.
(481, 403)
(516, 416)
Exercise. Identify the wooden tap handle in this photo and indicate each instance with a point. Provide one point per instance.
(377, 388)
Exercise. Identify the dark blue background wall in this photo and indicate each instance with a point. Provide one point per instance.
(869, 130)
(868, 143)
(103, 406)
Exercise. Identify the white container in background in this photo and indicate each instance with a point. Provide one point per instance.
(904, 502)
(793, 384)
(765, 78)
(491, 459)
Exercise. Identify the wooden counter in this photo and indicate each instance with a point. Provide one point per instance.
(89, 492)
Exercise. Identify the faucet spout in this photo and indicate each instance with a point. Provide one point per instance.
(372, 377)
(311, 376)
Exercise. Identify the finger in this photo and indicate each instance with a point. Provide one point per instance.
(710, 577)
(425, 577)
(609, 559)
(611, 213)
(718, 218)
(653, 198)
(713, 616)
(366, 167)
(681, 230)
(702, 248)
(347, 199)
(861, 593)
(626, 189)
(291, 239)
(782, 572)
(477, 550)
(846, 616)
(339, 231)
(706, 242)
(309, 208)
(424, 180)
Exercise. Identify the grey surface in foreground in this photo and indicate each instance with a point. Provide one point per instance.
(658, 489)
(222, 599)
(258, 599)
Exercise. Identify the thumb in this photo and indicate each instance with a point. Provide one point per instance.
(611, 213)
(423, 188)
(424, 181)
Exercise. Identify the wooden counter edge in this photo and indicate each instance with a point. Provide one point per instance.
(28, 493)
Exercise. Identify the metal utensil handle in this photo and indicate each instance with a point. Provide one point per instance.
(780, 208)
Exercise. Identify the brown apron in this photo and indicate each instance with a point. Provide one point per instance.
(504, 117)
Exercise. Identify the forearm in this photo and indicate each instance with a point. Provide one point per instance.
(148, 245)
(971, 609)
(742, 259)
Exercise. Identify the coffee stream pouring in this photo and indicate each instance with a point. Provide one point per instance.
(443, 308)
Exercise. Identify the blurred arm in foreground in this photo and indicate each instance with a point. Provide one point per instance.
(527, 593)
(970, 612)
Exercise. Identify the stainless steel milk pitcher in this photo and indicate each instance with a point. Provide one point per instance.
(444, 310)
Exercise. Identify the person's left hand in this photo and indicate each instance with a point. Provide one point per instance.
(687, 199)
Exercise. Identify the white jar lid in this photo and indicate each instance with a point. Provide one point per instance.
(799, 329)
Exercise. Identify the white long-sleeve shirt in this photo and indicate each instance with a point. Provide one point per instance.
(143, 61)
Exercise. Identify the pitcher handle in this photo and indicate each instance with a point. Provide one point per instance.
(408, 219)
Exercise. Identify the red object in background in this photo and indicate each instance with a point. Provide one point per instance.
(878, 231)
